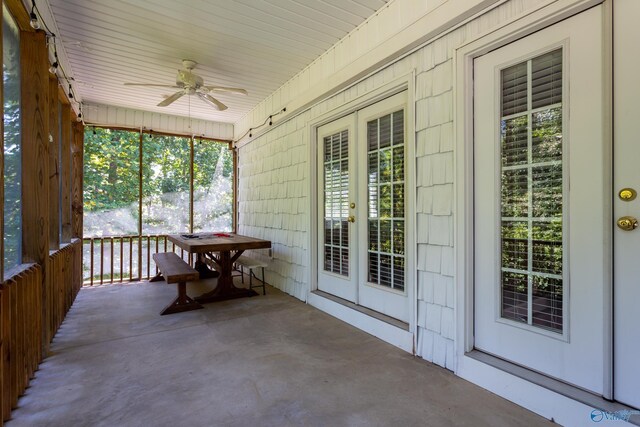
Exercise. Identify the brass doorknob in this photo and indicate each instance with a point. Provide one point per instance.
(627, 194)
(628, 223)
(353, 219)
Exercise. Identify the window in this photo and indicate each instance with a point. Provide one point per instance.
(212, 186)
(111, 189)
(12, 142)
(336, 203)
(133, 222)
(112, 184)
(165, 184)
(385, 176)
(532, 192)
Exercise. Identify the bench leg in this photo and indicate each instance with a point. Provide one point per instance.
(251, 276)
(158, 277)
(182, 302)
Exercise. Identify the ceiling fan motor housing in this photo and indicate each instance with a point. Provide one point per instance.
(189, 80)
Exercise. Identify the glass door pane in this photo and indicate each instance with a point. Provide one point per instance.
(532, 192)
(385, 184)
(336, 203)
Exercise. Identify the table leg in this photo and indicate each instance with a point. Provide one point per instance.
(225, 289)
(202, 268)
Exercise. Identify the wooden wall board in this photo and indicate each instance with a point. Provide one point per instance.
(54, 165)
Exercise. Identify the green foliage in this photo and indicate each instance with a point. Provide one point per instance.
(12, 145)
(110, 169)
(532, 195)
(112, 183)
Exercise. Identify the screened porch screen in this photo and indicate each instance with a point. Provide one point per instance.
(532, 192)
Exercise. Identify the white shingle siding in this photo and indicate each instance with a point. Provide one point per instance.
(274, 170)
(273, 203)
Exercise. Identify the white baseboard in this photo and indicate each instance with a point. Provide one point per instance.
(549, 404)
(378, 328)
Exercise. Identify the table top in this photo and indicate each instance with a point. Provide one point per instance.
(216, 242)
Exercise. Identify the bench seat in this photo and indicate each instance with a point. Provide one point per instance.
(174, 270)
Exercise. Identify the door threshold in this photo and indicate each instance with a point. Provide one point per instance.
(393, 331)
(376, 315)
(570, 391)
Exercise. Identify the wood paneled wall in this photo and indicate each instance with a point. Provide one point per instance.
(35, 147)
(65, 167)
(65, 284)
(54, 165)
(76, 180)
(21, 302)
(25, 317)
(35, 297)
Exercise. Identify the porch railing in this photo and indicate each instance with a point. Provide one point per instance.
(117, 259)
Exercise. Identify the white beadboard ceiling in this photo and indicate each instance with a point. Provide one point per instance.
(253, 44)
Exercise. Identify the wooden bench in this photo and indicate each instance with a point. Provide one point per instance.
(174, 270)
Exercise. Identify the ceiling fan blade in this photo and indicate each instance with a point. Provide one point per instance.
(171, 98)
(236, 90)
(152, 85)
(211, 100)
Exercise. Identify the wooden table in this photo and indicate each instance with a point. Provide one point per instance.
(223, 249)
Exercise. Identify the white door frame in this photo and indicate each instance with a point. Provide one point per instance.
(387, 332)
(463, 106)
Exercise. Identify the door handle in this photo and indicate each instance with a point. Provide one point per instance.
(627, 223)
(353, 219)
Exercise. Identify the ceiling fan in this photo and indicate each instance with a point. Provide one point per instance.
(189, 83)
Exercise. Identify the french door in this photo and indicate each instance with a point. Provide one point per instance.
(362, 207)
(541, 201)
(626, 204)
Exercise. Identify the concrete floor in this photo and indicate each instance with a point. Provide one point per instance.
(263, 361)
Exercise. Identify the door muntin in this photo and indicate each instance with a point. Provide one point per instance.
(532, 192)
